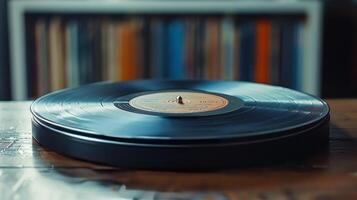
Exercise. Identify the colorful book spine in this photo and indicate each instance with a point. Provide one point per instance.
(89, 43)
(286, 78)
(299, 55)
(42, 56)
(247, 46)
(143, 48)
(127, 51)
(83, 55)
(212, 65)
(113, 66)
(104, 51)
(72, 54)
(158, 39)
(57, 65)
(227, 48)
(262, 51)
(236, 53)
(199, 36)
(189, 48)
(96, 55)
(176, 41)
(275, 44)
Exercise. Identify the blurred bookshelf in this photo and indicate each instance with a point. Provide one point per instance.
(56, 44)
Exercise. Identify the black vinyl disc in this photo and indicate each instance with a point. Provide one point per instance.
(180, 124)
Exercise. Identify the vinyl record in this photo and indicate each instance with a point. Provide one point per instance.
(180, 124)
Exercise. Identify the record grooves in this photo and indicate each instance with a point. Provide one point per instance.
(180, 124)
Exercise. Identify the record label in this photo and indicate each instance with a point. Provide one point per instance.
(178, 102)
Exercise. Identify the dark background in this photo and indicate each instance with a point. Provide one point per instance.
(4, 53)
(339, 49)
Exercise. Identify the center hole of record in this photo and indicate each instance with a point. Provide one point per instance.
(178, 102)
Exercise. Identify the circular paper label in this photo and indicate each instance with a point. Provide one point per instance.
(178, 102)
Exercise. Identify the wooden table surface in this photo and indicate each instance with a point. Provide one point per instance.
(28, 171)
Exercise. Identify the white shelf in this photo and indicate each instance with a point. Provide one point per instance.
(17, 9)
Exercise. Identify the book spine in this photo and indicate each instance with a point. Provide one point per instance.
(262, 49)
(199, 37)
(246, 51)
(236, 48)
(96, 50)
(227, 53)
(89, 44)
(128, 50)
(299, 55)
(275, 44)
(157, 48)
(212, 49)
(113, 42)
(143, 48)
(189, 48)
(175, 49)
(31, 64)
(56, 54)
(82, 52)
(72, 54)
(287, 55)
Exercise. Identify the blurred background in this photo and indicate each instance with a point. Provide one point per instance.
(46, 45)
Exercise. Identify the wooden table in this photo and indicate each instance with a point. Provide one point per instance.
(28, 171)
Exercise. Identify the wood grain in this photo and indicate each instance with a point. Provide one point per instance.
(28, 171)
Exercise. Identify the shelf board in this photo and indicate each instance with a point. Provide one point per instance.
(155, 6)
